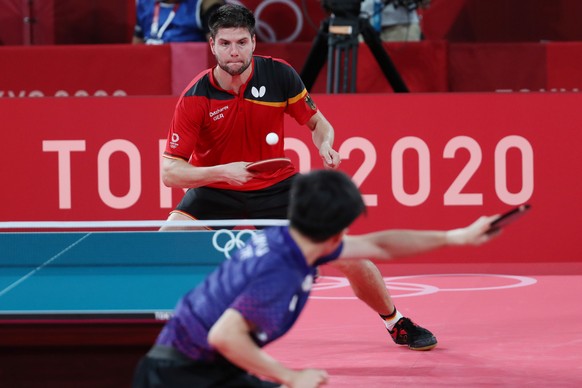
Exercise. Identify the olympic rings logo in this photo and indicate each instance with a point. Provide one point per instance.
(234, 240)
(265, 32)
(326, 283)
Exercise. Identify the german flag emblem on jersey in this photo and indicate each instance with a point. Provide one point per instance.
(310, 102)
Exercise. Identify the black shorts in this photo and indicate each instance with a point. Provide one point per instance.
(166, 367)
(205, 203)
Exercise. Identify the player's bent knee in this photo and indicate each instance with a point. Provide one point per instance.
(177, 216)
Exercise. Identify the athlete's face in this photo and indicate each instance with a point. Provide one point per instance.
(233, 49)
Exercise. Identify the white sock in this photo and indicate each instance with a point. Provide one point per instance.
(390, 322)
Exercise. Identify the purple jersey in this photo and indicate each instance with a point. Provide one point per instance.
(268, 281)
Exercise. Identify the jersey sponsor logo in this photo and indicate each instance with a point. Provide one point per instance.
(174, 139)
(226, 241)
(218, 114)
(261, 244)
(257, 93)
(310, 102)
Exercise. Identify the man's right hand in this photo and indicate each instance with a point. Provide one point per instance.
(236, 173)
(474, 234)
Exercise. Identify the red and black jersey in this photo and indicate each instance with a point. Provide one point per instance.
(213, 126)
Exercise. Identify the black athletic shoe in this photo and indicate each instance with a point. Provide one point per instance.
(406, 332)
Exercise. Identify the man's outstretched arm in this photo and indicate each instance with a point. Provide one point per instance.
(391, 244)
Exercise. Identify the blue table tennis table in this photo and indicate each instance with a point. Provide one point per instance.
(104, 273)
(97, 290)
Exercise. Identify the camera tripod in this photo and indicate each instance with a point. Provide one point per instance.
(338, 37)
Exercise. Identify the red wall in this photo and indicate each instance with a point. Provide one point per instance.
(428, 66)
(503, 20)
(431, 161)
(104, 70)
(66, 21)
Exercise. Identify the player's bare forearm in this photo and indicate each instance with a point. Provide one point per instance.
(181, 174)
(322, 131)
(242, 351)
(390, 244)
(323, 134)
(230, 335)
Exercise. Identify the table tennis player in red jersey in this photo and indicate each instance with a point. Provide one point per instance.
(221, 124)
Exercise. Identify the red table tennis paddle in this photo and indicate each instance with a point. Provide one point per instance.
(508, 217)
(268, 165)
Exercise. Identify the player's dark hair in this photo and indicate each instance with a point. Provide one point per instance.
(323, 203)
(231, 16)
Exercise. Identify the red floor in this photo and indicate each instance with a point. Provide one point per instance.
(506, 330)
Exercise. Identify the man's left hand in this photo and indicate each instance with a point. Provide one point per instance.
(330, 157)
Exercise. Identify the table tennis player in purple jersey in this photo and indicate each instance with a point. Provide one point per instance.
(216, 335)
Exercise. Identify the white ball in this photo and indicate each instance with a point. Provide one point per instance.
(272, 138)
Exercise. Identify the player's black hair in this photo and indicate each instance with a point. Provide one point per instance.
(231, 16)
(323, 203)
